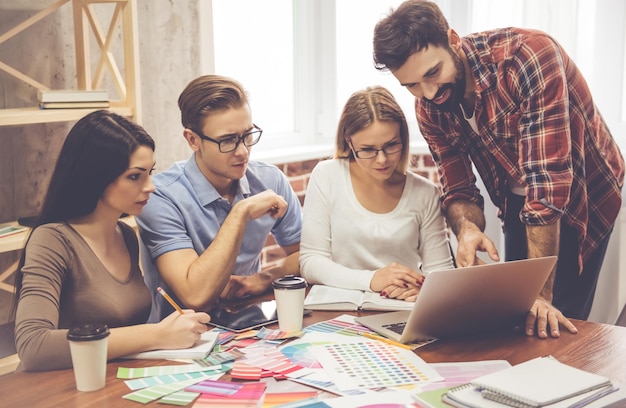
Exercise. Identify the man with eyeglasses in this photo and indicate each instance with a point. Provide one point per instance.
(206, 223)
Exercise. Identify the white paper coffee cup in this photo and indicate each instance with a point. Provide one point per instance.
(88, 346)
(289, 294)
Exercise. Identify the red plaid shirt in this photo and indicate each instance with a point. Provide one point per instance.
(537, 124)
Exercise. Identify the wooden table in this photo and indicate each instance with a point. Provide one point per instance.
(597, 348)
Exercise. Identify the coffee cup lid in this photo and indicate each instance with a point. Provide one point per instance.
(87, 332)
(289, 282)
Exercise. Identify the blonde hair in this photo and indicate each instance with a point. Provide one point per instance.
(363, 108)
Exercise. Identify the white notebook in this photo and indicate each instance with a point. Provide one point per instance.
(466, 396)
(200, 349)
(538, 382)
(322, 297)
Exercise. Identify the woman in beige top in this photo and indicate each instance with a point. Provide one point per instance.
(80, 264)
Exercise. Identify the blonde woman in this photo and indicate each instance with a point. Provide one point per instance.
(369, 223)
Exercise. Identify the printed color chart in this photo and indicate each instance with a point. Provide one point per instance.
(372, 365)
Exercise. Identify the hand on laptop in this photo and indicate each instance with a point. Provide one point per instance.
(470, 243)
(543, 316)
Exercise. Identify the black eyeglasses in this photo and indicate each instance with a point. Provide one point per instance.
(231, 142)
(371, 153)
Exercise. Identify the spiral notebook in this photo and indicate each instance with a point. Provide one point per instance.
(540, 382)
(466, 396)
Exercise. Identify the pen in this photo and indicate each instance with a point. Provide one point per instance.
(170, 300)
(384, 340)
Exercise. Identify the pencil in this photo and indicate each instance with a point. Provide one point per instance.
(385, 340)
(170, 300)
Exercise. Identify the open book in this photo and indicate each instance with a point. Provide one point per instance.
(200, 349)
(323, 297)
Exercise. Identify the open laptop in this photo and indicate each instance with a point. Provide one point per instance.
(467, 300)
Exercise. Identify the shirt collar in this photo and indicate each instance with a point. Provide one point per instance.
(478, 54)
(205, 190)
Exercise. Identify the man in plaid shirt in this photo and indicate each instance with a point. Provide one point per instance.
(511, 103)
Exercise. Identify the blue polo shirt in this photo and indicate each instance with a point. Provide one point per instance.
(186, 211)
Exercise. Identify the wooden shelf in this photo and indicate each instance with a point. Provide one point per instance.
(106, 35)
(16, 241)
(13, 242)
(25, 116)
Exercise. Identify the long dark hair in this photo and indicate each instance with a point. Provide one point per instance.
(96, 151)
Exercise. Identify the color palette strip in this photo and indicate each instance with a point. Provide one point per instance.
(269, 334)
(180, 398)
(225, 336)
(286, 399)
(223, 356)
(281, 366)
(215, 387)
(243, 371)
(243, 343)
(248, 396)
(338, 326)
(146, 382)
(246, 335)
(153, 393)
(128, 372)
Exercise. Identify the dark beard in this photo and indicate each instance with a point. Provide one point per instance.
(457, 88)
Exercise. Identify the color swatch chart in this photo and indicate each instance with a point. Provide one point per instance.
(372, 364)
(343, 324)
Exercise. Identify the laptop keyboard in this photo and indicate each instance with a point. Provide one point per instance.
(395, 327)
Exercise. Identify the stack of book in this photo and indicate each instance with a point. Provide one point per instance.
(73, 99)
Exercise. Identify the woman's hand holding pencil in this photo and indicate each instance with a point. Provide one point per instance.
(170, 300)
(182, 328)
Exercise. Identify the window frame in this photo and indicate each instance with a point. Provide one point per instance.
(315, 78)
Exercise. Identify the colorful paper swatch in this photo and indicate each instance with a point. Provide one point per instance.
(221, 357)
(243, 371)
(180, 398)
(269, 334)
(248, 396)
(127, 372)
(372, 364)
(215, 387)
(154, 393)
(286, 399)
(277, 365)
(299, 354)
(146, 382)
(343, 324)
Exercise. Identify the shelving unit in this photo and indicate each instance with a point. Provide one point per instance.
(126, 82)
(12, 242)
(86, 23)
(28, 116)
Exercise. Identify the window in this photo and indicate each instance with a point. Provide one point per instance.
(299, 62)
(355, 63)
(301, 59)
(258, 52)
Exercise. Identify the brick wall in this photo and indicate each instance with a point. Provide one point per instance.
(299, 173)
